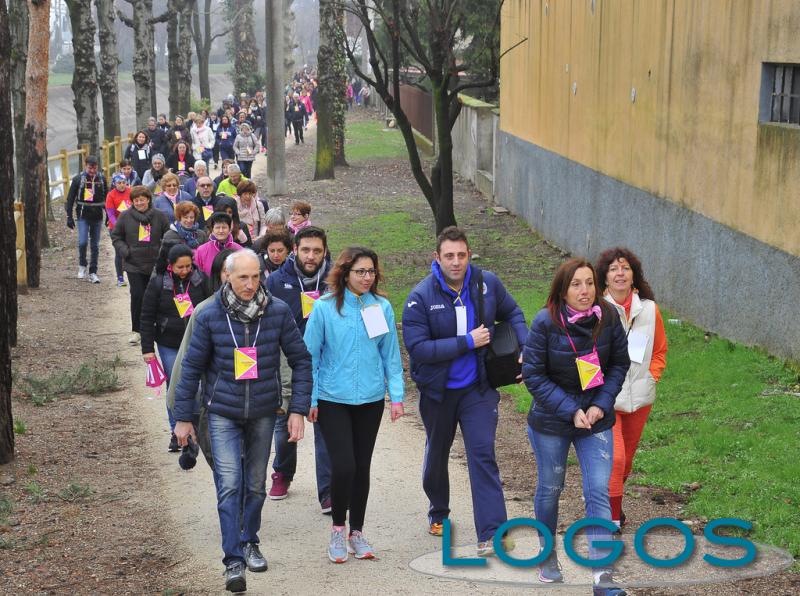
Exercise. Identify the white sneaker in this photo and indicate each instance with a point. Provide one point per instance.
(134, 338)
(81, 272)
(93, 278)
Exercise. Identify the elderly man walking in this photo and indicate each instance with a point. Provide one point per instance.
(236, 343)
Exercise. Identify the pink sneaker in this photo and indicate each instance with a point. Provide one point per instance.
(280, 487)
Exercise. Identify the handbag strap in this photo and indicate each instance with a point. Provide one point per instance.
(480, 298)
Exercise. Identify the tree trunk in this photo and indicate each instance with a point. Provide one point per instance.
(18, 22)
(288, 40)
(8, 238)
(442, 172)
(340, 89)
(84, 79)
(36, 136)
(326, 91)
(109, 66)
(276, 136)
(202, 45)
(151, 57)
(142, 58)
(245, 57)
(173, 59)
(185, 57)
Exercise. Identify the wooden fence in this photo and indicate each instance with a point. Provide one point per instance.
(110, 156)
(22, 268)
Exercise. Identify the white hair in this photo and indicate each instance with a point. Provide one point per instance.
(233, 168)
(200, 162)
(230, 260)
(274, 217)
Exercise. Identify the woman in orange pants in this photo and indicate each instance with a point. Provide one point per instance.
(619, 273)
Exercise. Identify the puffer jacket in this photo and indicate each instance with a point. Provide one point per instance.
(551, 375)
(161, 323)
(139, 257)
(211, 352)
(348, 366)
(285, 284)
(246, 146)
(429, 329)
(163, 203)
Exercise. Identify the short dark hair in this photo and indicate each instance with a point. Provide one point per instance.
(141, 191)
(453, 234)
(124, 163)
(219, 217)
(178, 251)
(311, 232)
(272, 237)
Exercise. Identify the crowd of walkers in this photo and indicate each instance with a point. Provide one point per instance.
(257, 327)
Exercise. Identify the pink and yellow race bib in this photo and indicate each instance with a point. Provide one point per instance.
(144, 233)
(208, 211)
(184, 304)
(307, 300)
(245, 364)
(589, 371)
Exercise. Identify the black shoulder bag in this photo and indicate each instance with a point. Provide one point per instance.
(502, 353)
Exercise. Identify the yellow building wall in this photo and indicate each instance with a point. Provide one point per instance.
(691, 134)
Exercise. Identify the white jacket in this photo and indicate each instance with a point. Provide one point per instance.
(202, 138)
(639, 388)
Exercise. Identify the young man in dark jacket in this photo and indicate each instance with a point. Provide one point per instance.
(446, 338)
(236, 343)
(158, 138)
(87, 194)
(299, 282)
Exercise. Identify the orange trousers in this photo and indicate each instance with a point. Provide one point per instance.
(627, 432)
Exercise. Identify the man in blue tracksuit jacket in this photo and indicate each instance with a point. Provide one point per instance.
(445, 340)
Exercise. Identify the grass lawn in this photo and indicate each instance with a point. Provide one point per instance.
(726, 415)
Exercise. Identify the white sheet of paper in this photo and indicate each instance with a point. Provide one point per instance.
(374, 320)
(637, 345)
(142, 154)
(461, 320)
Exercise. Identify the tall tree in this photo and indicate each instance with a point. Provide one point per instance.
(8, 240)
(326, 91)
(84, 78)
(204, 40)
(339, 82)
(178, 18)
(424, 36)
(276, 137)
(246, 78)
(107, 75)
(143, 58)
(35, 137)
(288, 39)
(18, 21)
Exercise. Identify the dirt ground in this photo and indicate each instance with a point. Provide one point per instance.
(94, 507)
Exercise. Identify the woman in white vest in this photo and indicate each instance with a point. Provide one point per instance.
(620, 276)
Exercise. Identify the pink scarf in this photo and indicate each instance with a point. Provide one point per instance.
(297, 228)
(576, 315)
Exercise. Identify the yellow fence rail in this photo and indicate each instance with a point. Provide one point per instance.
(110, 155)
(22, 268)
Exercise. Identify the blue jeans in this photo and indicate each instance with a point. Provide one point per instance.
(89, 231)
(241, 452)
(168, 356)
(595, 457)
(285, 460)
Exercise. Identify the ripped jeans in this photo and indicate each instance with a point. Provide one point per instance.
(595, 457)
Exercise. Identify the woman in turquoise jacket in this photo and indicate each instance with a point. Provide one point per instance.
(352, 338)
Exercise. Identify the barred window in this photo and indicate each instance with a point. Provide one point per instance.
(785, 96)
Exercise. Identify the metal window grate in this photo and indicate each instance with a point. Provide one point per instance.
(786, 94)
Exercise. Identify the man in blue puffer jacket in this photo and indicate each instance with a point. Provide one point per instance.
(237, 342)
(445, 337)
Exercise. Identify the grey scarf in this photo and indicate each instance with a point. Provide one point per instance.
(244, 312)
(314, 282)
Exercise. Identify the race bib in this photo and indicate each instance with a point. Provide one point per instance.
(637, 346)
(374, 320)
(245, 364)
(88, 194)
(181, 166)
(249, 151)
(142, 154)
(123, 206)
(184, 304)
(144, 233)
(207, 211)
(224, 135)
(307, 300)
(461, 320)
(177, 135)
(589, 370)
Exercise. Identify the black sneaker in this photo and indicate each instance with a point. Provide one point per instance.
(606, 586)
(253, 558)
(173, 444)
(235, 580)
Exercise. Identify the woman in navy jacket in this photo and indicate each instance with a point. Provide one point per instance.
(572, 408)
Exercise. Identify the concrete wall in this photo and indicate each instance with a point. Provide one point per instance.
(723, 280)
(664, 95)
(473, 143)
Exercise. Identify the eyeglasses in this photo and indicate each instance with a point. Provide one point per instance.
(204, 185)
(362, 273)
